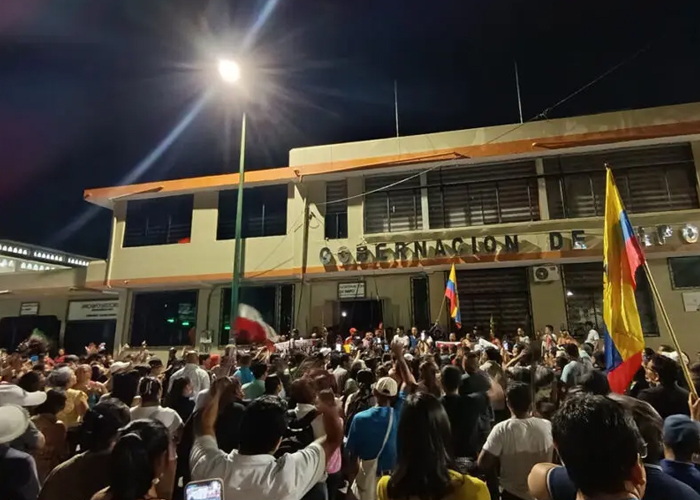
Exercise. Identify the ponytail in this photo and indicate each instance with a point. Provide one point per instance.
(131, 470)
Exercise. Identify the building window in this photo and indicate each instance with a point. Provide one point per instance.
(392, 210)
(583, 284)
(685, 272)
(274, 302)
(164, 318)
(649, 180)
(487, 194)
(420, 300)
(264, 212)
(336, 222)
(498, 297)
(158, 221)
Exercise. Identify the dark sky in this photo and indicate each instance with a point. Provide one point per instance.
(88, 88)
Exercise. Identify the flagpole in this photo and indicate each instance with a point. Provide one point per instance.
(442, 307)
(667, 321)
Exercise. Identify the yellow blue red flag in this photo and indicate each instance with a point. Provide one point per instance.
(622, 256)
(451, 294)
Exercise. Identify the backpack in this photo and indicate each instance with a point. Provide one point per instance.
(299, 433)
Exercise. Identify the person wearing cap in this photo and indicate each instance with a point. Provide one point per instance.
(18, 476)
(681, 442)
(31, 440)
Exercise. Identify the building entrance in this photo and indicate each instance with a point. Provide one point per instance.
(365, 315)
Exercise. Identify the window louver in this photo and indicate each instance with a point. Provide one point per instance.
(392, 210)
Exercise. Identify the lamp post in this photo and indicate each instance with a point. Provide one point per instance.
(230, 73)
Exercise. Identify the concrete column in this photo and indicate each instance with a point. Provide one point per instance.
(548, 304)
(695, 148)
(542, 190)
(205, 217)
(122, 332)
(425, 209)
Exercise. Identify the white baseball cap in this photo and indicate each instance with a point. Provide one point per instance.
(13, 422)
(11, 394)
(387, 386)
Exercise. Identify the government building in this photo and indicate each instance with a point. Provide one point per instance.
(358, 234)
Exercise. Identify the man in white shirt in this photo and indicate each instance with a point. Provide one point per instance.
(518, 443)
(401, 338)
(593, 336)
(252, 472)
(199, 378)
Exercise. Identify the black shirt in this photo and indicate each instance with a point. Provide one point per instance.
(667, 399)
(464, 413)
(18, 476)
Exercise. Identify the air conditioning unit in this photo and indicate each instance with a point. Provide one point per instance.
(544, 274)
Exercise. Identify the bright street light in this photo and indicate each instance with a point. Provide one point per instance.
(229, 70)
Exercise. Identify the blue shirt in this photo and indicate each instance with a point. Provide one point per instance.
(367, 432)
(684, 472)
(244, 375)
(660, 486)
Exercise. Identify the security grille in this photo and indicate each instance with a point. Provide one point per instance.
(395, 209)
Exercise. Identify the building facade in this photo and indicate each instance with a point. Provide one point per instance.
(351, 235)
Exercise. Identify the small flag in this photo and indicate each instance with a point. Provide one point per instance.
(251, 326)
(622, 256)
(451, 294)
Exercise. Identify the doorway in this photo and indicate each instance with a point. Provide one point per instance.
(81, 333)
(365, 315)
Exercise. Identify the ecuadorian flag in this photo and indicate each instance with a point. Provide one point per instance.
(622, 256)
(451, 294)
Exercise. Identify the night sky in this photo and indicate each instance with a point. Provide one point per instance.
(89, 88)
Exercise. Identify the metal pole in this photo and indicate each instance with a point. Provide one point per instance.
(517, 87)
(238, 253)
(396, 107)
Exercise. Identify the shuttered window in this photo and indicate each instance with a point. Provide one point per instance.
(336, 222)
(392, 210)
(654, 179)
(158, 221)
(486, 194)
(584, 299)
(502, 294)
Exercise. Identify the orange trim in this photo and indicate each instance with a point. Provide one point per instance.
(104, 196)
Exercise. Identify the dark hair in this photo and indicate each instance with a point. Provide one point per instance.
(132, 463)
(55, 402)
(30, 381)
(176, 391)
(244, 359)
(551, 327)
(649, 423)
(595, 382)
(518, 397)
(155, 363)
(272, 383)
(492, 354)
(593, 468)
(335, 361)
(302, 391)
(101, 424)
(451, 378)
(571, 350)
(259, 369)
(599, 359)
(149, 389)
(263, 424)
(665, 368)
(411, 478)
(124, 386)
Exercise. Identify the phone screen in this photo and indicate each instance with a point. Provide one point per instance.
(204, 490)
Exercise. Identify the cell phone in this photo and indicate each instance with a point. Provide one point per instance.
(339, 347)
(209, 489)
(386, 347)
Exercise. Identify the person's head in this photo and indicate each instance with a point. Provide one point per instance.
(172, 353)
(31, 381)
(453, 337)
(157, 366)
(492, 354)
(431, 445)
(192, 358)
(385, 390)
(101, 425)
(472, 362)
(259, 370)
(649, 423)
(139, 456)
(365, 379)
(273, 385)
(588, 325)
(335, 361)
(571, 351)
(521, 332)
(548, 329)
(414, 331)
(599, 360)
(662, 370)
(263, 425)
(303, 391)
(150, 390)
(83, 374)
(681, 438)
(451, 379)
(55, 402)
(611, 469)
(124, 386)
(518, 398)
(62, 378)
(182, 388)
(244, 360)
(345, 360)
(595, 382)
(61, 352)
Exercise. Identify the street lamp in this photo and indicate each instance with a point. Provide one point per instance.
(230, 73)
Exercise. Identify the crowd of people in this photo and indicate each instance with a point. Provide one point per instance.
(389, 415)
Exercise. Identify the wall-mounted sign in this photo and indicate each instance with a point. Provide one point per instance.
(355, 290)
(93, 310)
(29, 309)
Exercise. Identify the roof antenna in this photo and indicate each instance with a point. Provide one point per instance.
(517, 88)
(396, 107)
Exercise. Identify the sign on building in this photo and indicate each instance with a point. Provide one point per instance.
(354, 290)
(29, 309)
(86, 310)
